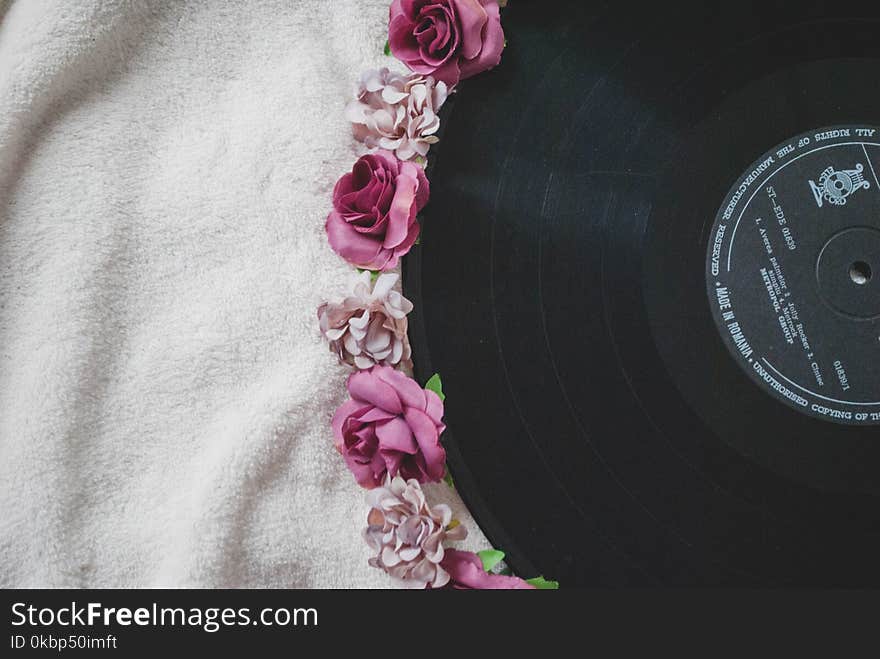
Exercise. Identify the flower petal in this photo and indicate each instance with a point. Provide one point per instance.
(367, 387)
(355, 248)
(395, 435)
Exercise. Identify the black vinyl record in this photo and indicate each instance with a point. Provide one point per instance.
(649, 276)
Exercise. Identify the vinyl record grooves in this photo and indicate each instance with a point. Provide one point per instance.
(605, 423)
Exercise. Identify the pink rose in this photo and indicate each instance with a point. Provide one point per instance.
(373, 222)
(466, 572)
(390, 426)
(448, 39)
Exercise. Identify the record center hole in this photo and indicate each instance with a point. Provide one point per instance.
(860, 273)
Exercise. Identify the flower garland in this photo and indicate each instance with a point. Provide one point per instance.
(388, 431)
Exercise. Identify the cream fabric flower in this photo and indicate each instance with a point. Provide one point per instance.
(397, 112)
(408, 535)
(369, 326)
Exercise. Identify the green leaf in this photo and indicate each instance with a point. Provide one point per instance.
(388, 49)
(435, 385)
(490, 558)
(418, 241)
(447, 478)
(542, 584)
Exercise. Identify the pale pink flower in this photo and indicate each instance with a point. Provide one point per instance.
(407, 534)
(397, 112)
(369, 325)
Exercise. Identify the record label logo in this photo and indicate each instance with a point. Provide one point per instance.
(793, 273)
(836, 186)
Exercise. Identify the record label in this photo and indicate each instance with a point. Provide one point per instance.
(793, 273)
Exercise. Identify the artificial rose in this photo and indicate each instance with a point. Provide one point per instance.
(407, 534)
(391, 426)
(368, 327)
(373, 222)
(397, 112)
(448, 39)
(466, 572)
